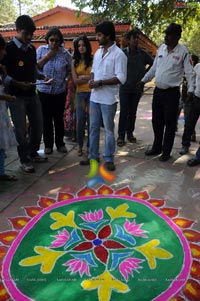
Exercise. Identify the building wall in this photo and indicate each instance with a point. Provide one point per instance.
(60, 17)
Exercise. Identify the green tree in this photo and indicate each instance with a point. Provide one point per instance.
(151, 16)
(8, 11)
(33, 7)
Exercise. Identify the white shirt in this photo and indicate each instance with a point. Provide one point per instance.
(113, 64)
(197, 80)
(169, 67)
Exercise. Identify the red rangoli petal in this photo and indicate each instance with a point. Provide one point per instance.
(192, 290)
(123, 191)
(192, 235)
(157, 202)
(105, 190)
(105, 232)
(142, 195)
(84, 246)
(101, 253)
(195, 271)
(62, 196)
(45, 202)
(86, 192)
(4, 296)
(195, 250)
(90, 235)
(112, 244)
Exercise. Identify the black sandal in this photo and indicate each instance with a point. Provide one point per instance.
(132, 139)
(8, 178)
(120, 142)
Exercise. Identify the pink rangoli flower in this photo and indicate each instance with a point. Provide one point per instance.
(99, 243)
(128, 265)
(61, 239)
(92, 217)
(134, 229)
(76, 265)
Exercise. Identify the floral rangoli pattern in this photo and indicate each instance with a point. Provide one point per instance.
(100, 246)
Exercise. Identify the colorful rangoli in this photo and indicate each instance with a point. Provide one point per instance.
(100, 245)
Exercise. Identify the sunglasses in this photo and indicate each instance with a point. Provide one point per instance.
(54, 40)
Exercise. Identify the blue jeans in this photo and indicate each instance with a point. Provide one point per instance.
(197, 155)
(27, 106)
(82, 116)
(97, 112)
(128, 109)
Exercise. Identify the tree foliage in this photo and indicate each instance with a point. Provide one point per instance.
(151, 16)
(8, 11)
(33, 7)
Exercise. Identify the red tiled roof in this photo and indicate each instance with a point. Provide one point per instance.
(54, 11)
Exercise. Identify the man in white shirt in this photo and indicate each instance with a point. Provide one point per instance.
(108, 71)
(171, 63)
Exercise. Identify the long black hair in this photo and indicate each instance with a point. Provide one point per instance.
(88, 54)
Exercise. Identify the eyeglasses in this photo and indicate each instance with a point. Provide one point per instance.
(54, 40)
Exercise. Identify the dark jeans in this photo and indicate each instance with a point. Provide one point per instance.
(128, 109)
(186, 106)
(82, 116)
(53, 106)
(164, 116)
(27, 106)
(192, 120)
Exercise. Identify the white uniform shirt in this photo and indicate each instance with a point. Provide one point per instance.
(197, 77)
(113, 64)
(169, 67)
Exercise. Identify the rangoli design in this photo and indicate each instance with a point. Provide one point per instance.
(100, 245)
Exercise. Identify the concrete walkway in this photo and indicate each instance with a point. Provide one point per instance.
(173, 181)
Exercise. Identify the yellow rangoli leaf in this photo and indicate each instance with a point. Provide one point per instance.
(120, 211)
(105, 283)
(47, 258)
(63, 220)
(151, 252)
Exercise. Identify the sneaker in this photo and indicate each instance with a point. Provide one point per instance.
(109, 166)
(27, 167)
(39, 159)
(62, 149)
(48, 150)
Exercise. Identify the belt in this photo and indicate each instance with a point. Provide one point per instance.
(168, 89)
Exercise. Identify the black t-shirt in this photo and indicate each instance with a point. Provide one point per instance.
(136, 68)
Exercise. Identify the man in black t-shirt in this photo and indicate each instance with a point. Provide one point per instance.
(139, 62)
(21, 65)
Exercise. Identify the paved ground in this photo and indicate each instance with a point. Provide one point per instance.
(173, 181)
